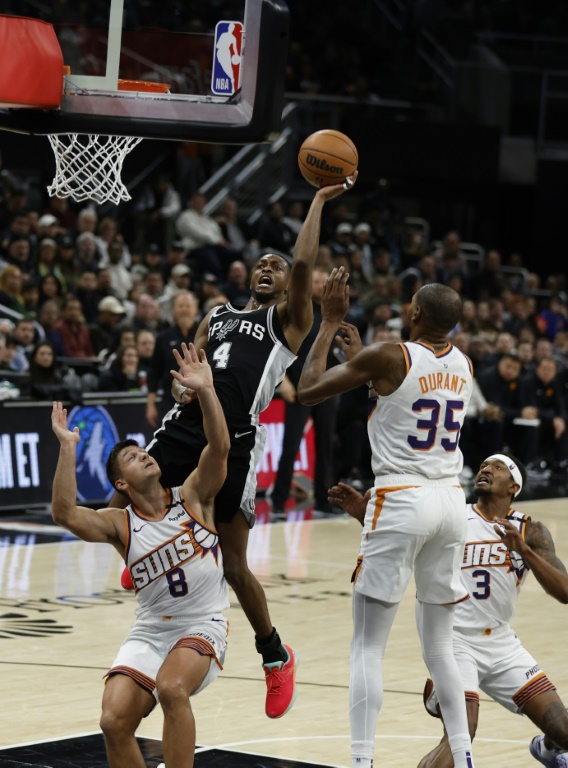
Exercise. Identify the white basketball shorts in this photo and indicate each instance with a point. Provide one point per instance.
(420, 529)
(500, 666)
(147, 645)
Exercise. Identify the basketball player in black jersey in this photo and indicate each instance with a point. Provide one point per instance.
(249, 351)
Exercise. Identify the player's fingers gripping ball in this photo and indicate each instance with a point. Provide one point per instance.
(328, 157)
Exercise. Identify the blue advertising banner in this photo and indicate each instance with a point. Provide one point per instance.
(29, 449)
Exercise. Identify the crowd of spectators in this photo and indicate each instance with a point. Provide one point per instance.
(83, 309)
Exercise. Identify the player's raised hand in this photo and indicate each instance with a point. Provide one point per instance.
(350, 342)
(334, 190)
(335, 299)
(194, 370)
(509, 534)
(59, 425)
(181, 394)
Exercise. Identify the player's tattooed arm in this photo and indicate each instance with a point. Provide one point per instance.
(547, 567)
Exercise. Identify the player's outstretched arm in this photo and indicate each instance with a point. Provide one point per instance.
(195, 372)
(185, 395)
(85, 523)
(299, 311)
(370, 364)
(538, 552)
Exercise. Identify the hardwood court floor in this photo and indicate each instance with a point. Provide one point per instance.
(63, 616)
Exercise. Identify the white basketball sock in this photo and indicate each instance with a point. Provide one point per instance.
(372, 621)
(435, 629)
(361, 762)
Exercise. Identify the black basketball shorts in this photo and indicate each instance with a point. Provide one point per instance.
(178, 456)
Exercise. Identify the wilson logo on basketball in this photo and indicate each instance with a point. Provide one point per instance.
(323, 166)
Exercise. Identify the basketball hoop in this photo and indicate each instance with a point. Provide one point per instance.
(89, 166)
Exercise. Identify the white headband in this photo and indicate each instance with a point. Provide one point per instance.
(512, 467)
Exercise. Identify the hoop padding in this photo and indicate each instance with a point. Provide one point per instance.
(31, 64)
(89, 167)
(143, 86)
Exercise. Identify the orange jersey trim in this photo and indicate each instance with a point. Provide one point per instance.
(472, 696)
(199, 644)
(487, 520)
(153, 519)
(441, 353)
(380, 495)
(357, 571)
(126, 534)
(143, 681)
(197, 517)
(406, 356)
(536, 686)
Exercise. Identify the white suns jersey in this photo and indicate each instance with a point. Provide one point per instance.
(491, 574)
(416, 429)
(175, 563)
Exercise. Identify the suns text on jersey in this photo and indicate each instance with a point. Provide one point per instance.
(164, 559)
(485, 553)
(440, 380)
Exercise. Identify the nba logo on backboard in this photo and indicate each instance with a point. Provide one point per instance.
(225, 77)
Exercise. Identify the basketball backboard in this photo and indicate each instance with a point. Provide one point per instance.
(241, 44)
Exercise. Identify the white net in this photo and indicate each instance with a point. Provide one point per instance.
(89, 167)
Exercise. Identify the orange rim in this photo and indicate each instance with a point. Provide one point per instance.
(143, 85)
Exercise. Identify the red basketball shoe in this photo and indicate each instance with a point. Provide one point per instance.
(281, 684)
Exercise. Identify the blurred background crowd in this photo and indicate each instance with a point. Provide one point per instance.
(93, 298)
(94, 312)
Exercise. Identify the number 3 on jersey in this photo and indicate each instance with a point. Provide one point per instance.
(431, 424)
(221, 355)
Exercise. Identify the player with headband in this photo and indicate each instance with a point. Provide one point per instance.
(490, 656)
(514, 470)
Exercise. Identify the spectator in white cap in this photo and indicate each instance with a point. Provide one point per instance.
(104, 332)
(180, 280)
(342, 243)
(48, 226)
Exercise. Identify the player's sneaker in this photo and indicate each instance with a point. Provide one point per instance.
(281, 684)
(558, 761)
(430, 699)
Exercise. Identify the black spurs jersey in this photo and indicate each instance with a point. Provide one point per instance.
(249, 355)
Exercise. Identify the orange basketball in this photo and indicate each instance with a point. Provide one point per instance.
(327, 157)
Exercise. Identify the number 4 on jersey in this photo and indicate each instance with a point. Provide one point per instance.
(221, 355)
